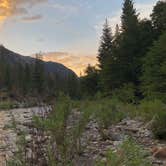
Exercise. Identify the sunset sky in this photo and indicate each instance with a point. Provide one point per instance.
(69, 26)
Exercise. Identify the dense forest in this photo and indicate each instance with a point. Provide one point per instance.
(133, 59)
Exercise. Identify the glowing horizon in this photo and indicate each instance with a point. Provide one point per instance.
(31, 26)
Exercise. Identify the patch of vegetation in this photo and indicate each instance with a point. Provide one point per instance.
(107, 113)
(6, 105)
(129, 154)
(65, 138)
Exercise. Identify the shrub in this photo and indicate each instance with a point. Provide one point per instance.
(128, 154)
(108, 113)
(125, 94)
(5, 105)
(149, 109)
(156, 112)
(159, 125)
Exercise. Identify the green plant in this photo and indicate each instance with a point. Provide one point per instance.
(125, 94)
(108, 112)
(5, 105)
(155, 112)
(159, 125)
(128, 154)
(149, 109)
(64, 140)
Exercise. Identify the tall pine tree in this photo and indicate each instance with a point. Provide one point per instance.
(105, 57)
(128, 46)
(159, 17)
(105, 48)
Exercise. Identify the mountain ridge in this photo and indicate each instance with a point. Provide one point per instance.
(50, 67)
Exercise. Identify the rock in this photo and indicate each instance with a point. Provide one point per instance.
(28, 138)
(159, 153)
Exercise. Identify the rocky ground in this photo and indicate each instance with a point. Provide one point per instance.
(12, 122)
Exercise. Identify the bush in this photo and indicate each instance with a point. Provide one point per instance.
(149, 109)
(128, 154)
(159, 125)
(125, 94)
(107, 112)
(156, 112)
(5, 105)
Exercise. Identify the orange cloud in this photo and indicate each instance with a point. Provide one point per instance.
(77, 63)
(10, 8)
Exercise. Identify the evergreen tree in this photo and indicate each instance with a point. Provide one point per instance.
(105, 57)
(159, 17)
(117, 32)
(8, 79)
(154, 71)
(105, 48)
(89, 82)
(27, 79)
(38, 75)
(127, 49)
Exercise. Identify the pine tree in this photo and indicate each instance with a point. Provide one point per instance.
(117, 32)
(159, 17)
(38, 75)
(89, 82)
(154, 71)
(105, 48)
(128, 46)
(105, 57)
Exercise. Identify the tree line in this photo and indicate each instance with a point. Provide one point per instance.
(133, 58)
(30, 80)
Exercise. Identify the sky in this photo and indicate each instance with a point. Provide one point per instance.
(71, 27)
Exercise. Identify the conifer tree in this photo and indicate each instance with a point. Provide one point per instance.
(105, 48)
(127, 53)
(105, 57)
(159, 17)
(154, 71)
(38, 75)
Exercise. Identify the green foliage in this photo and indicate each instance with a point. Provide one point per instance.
(125, 94)
(129, 154)
(65, 138)
(105, 48)
(127, 52)
(154, 71)
(159, 124)
(24, 80)
(5, 105)
(89, 82)
(155, 112)
(159, 17)
(107, 113)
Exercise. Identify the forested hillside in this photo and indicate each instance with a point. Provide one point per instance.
(23, 76)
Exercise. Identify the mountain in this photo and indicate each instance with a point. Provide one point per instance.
(76, 62)
(50, 67)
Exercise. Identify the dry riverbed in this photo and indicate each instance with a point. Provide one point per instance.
(11, 123)
(17, 120)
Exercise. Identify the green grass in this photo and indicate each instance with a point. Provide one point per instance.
(6, 105)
